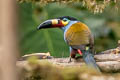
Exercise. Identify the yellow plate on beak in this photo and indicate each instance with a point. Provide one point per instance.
(54, 21)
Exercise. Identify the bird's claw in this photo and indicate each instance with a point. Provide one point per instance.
(70, 60)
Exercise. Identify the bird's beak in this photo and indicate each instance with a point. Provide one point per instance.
(51, 24)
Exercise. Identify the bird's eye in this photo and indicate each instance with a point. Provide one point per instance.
(65, 19)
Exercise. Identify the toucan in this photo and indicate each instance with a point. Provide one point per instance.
(77, 35)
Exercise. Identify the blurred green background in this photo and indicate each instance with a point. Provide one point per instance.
(105, 27)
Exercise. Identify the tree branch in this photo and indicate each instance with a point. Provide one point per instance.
(108, 61)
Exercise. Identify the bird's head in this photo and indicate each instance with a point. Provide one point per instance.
(58, 22)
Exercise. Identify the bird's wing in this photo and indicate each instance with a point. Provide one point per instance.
(78, 34)
(92, 43)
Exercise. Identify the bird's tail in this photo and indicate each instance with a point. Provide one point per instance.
(89, 59)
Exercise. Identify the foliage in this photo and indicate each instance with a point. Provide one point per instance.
(39, 41)
(96, 6)
(104, 26)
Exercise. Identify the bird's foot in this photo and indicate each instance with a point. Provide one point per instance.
(70, 60)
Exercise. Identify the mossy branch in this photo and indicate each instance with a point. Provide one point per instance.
(108, 61)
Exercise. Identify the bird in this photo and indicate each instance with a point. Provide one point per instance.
(77, 35)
